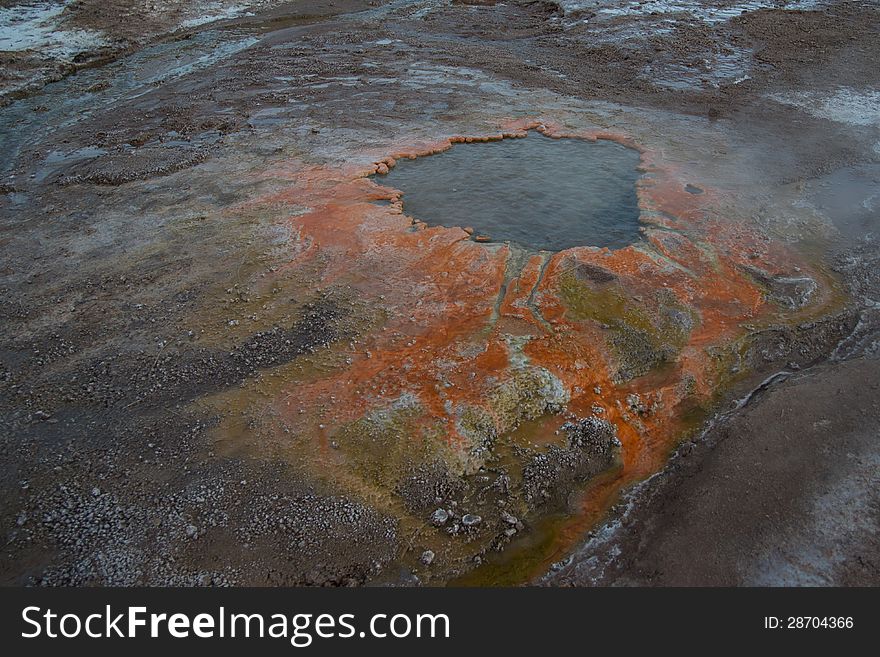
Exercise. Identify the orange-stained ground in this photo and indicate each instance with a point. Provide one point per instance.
(451, 305)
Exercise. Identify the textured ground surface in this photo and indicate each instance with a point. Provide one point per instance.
(783, 493)
(230, 357)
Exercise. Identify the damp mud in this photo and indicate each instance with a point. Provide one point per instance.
(540, 193)
(429, 293)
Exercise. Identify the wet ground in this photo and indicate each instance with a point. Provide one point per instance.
(782, 493)
(231, 356)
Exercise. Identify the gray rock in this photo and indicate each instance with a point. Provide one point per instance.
(439, 517)
(427, 557)
(469, 520)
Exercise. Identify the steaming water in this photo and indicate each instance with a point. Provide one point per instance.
(541, 193)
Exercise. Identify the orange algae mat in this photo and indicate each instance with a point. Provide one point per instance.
(641, 336)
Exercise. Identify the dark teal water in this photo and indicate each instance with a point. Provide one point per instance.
(540, 193)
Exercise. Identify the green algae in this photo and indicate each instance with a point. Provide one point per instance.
(643, 335)
(379, 445)
(528, 394)
(534, 551)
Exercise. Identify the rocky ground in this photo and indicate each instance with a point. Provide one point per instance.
(781, 490)
(225, 362)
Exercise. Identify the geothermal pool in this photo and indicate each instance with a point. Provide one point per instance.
(538, 192)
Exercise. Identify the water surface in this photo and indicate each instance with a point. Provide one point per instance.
(538, 192)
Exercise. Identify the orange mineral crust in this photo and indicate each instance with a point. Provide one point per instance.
(476, 340)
